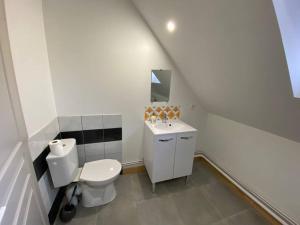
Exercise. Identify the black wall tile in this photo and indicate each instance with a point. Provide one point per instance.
(93, 136)
(40, 164)
(58, 136)
(56, 205)
(78, 135)
(114, 134)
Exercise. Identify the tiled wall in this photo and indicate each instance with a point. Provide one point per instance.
(173, 112)
(38, 145)
(97, 136)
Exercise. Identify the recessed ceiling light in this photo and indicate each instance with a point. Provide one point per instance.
(171, 26)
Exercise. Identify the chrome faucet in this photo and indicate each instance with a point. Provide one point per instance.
(165, 117)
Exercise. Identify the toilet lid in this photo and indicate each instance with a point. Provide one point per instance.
(100, 170)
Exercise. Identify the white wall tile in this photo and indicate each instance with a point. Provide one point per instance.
(112, 121)
(117, 156)
(52, 129)
(95, 157)
(94, 152)
(113, 147)
(48, 192)
(81, 154)
(37, 144)
(70, 123)
(92, 122)
(39, 141)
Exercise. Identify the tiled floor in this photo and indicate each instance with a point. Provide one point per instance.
(204, 200)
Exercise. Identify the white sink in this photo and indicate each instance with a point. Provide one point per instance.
(168, 126)
(176, 126)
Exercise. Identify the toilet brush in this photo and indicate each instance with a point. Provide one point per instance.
(69, 210)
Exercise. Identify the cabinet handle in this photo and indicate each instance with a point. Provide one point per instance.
(165, 140)
(186, 138)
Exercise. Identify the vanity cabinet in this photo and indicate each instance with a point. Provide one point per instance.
(164, 155)
(184, 154)
(168, 156)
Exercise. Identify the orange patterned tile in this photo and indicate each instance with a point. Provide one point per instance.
(171, 115)
(146, 116)
(173, 112)
(161, 115)
(149, 109)
(158, 110)
(167, 109)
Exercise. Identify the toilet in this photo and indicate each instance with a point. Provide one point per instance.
(96, 178)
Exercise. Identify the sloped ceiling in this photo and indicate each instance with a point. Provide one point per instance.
(230, 52)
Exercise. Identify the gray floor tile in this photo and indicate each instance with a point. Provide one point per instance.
(142, 188)
(194, 208)
(176, 185)
(202, 176)
(82, 212)
(86, 220)
(122, 211)
(224, 199)
(248, 217)
(87, 216)
(124, 185)
(223, 222)
(158, 211)
(198, 165)
(204, 200)
(92, 220)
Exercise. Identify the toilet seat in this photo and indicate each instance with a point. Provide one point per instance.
(100, 172)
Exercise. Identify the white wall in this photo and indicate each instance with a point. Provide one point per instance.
(101, 55)
(30, 60)
(288, 16)
(266, 164)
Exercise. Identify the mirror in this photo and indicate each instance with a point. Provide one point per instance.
(160, 85)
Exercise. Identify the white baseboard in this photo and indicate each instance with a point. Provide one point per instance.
(133, 164)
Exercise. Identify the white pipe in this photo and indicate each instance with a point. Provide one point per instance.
(283, 219)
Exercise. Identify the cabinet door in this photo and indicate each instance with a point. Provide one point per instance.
(184, 155)
(164, 157)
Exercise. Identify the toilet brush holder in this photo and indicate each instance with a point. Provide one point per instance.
(67, 213)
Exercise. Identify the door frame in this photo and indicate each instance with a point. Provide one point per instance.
(11, 82)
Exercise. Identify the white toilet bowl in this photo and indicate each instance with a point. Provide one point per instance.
(96, 180)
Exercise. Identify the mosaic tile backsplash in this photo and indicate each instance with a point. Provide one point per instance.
(173, 112)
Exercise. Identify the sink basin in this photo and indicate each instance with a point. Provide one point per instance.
(177, 126)
(168, 126)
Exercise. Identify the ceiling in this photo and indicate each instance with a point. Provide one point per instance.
(231, 54)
